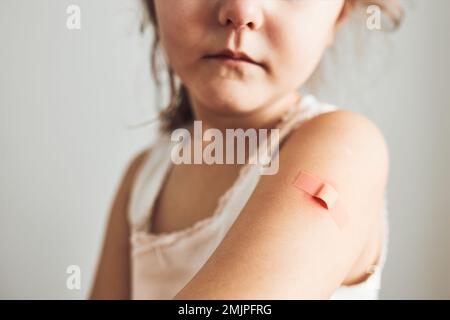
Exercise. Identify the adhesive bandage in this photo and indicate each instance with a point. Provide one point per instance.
(325, 193)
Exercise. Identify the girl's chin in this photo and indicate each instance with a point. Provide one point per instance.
(232, 109)
(233, 96)
(230, 98)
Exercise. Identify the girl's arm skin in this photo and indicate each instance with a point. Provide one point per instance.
(283, 245)
(112, 280)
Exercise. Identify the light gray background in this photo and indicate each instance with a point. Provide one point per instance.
(67, 98)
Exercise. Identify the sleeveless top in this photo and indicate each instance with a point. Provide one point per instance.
(162, 264)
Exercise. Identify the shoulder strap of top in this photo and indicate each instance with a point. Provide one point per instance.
(308, 108)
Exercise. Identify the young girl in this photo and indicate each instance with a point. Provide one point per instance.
(224, 231)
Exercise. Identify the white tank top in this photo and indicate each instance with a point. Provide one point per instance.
(162, 264)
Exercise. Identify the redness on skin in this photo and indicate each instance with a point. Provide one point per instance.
(323, 193)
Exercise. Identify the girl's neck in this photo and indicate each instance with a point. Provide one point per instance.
(266, 117)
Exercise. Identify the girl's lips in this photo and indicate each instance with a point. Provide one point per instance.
(227, 52)
(233, 57)
(233, 62)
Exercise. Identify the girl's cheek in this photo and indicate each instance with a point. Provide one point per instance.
(174, 41)
(181, 30)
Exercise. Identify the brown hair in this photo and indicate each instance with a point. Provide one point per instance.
(179, 111)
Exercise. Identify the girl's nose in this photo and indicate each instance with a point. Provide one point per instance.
(241, 13)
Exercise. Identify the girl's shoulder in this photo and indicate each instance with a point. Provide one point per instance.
(344, 141)
(342, 124)
(133, 166)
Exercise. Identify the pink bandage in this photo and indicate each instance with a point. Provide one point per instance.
(325, 193)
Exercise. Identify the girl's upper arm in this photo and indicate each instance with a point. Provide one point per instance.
(112, 279)
(284, 245)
